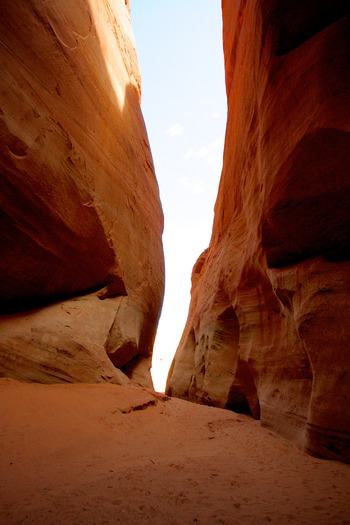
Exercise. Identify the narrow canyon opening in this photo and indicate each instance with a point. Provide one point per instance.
(184, 106)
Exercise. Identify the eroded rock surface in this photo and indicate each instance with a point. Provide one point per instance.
(81, 265)
(268, 329)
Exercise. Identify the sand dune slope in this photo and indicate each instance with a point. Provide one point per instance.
(104, 454)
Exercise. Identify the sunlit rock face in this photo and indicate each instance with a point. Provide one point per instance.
(81, 265)
(268, 329)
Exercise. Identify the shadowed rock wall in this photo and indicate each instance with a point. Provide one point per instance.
(268, 328)
(81, 260)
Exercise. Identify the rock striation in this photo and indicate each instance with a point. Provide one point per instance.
(81, 259)
(268, 328)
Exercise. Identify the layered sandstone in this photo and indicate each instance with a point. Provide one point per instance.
(81, 266)
(268, 328)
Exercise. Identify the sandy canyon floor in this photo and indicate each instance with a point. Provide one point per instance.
(103, 454)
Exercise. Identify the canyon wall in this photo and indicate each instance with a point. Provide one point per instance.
(268, 327)
(81, 259)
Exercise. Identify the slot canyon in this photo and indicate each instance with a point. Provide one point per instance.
(254, 424)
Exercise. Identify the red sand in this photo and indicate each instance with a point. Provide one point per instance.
(103, 454)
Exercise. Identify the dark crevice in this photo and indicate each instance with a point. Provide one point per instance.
(31, 303)
(244, 401)
(141, 406)
(238, 402)
(297, 21)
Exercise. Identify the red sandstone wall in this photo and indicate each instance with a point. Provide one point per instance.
(268, 328)
(81, 260)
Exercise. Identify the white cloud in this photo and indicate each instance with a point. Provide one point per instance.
(215, 115)
(175, 130)
(212, 154)
(205, 151)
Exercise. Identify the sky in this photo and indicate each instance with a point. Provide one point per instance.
(179, 47)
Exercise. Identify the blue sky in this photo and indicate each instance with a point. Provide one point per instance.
(179, 46)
